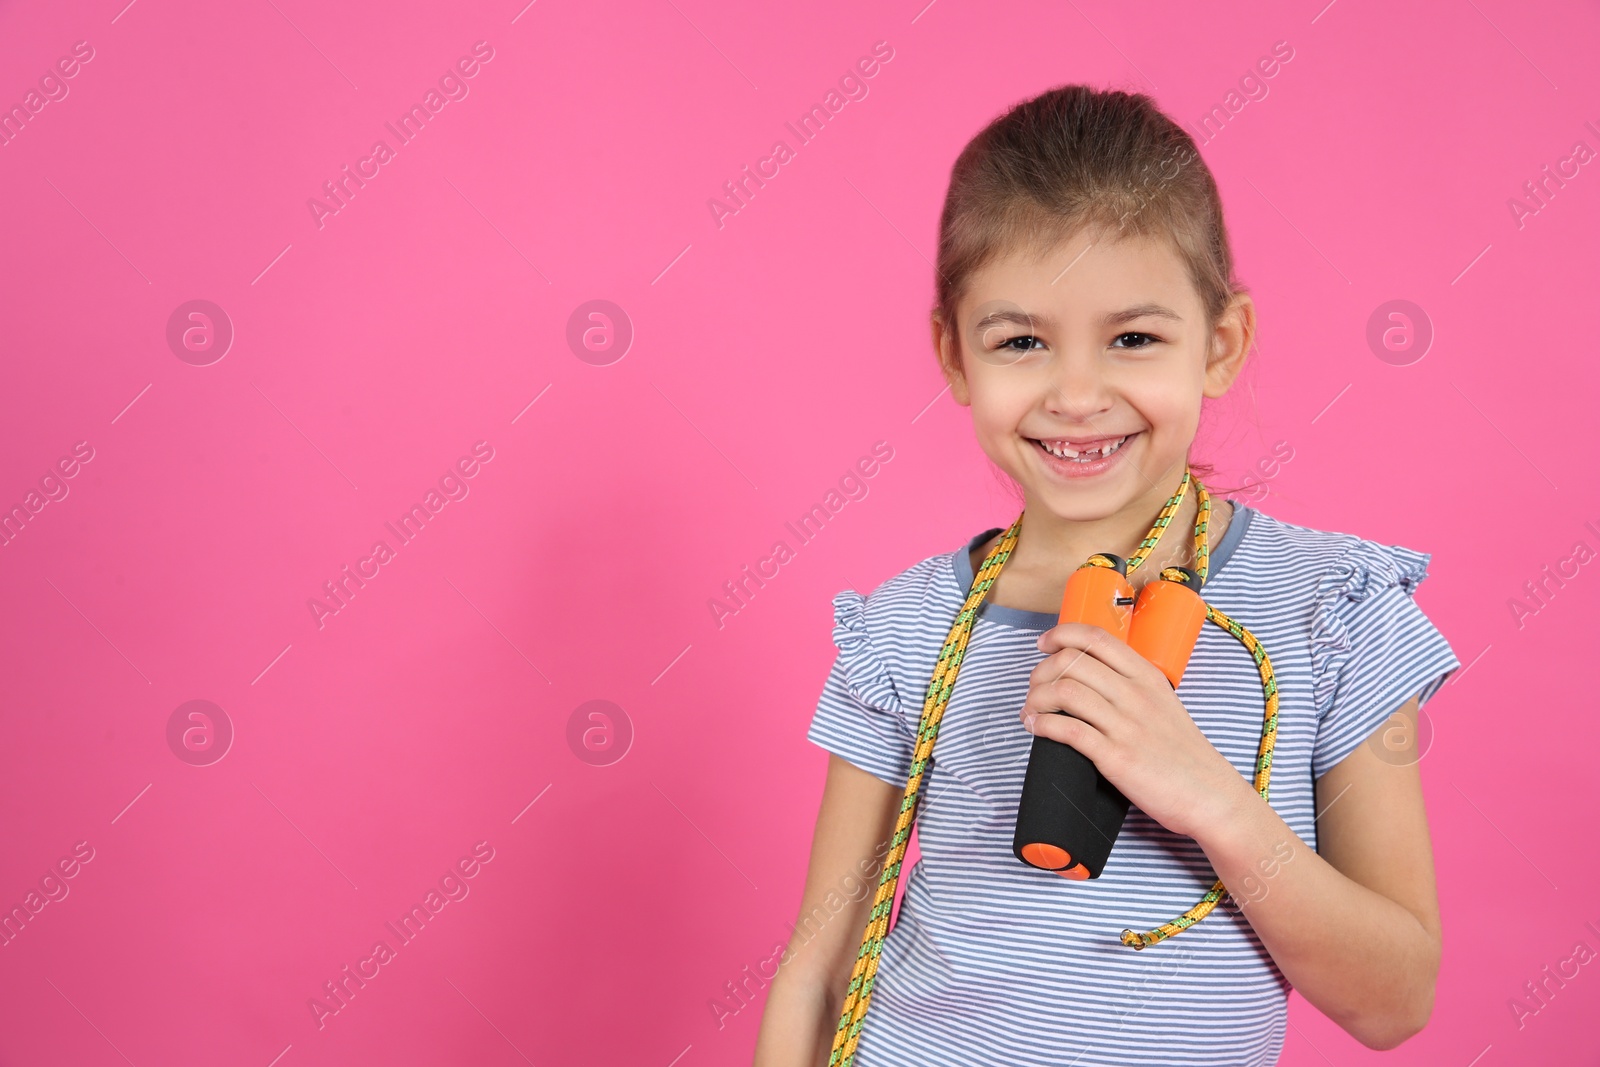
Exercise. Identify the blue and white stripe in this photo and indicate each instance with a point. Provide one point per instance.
(994, 962)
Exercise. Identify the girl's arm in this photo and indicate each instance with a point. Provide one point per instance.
(1355, 928)
(848, 849)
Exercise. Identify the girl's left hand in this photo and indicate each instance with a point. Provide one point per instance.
(1124, 716)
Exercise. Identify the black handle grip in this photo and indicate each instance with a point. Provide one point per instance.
(1070, 815)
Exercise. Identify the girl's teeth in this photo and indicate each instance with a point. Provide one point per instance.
(1087, 455)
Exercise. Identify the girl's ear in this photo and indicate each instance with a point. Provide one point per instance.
(1230, 345)
(948, 349)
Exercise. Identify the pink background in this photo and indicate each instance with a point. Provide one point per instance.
(373, 752)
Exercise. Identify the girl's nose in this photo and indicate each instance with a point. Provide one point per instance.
(1077, 387)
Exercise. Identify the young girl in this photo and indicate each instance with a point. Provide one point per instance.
(1085, 308)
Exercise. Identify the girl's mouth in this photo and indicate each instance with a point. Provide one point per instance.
(1082, 457)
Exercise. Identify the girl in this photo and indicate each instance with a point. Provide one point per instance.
(1085, 308)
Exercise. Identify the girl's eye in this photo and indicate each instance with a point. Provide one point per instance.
(1022, 344)
(1146, 340)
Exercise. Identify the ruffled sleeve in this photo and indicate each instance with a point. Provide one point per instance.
(859, 715)
(1372, 648)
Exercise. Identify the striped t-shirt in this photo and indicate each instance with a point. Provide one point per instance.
(995, 962)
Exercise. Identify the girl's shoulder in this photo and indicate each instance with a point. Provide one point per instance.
(1328, 566)
(880, 633)
(1339, 614)
(933, 588)
(1349, 602)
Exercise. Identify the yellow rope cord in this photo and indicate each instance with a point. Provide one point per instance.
(1269, 727)
(858, 995)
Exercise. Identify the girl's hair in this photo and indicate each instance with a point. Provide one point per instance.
(1077, 157)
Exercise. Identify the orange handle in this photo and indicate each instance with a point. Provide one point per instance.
(1092, 596)
(1166, 623)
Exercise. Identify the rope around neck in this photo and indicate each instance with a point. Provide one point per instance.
(858, 995)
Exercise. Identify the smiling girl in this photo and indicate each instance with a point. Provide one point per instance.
(1086, 307)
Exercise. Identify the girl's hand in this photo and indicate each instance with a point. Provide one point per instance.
(1123, 715)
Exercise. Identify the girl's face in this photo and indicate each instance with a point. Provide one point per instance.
(1085, 370)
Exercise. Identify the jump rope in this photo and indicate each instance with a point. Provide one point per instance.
(1166, 620)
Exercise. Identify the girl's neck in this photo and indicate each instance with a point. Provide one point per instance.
(1050, 548)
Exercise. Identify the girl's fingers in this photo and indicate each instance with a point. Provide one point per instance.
(1070, 730)
(1097, 643)
(1073, 697)
(1085, 666)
